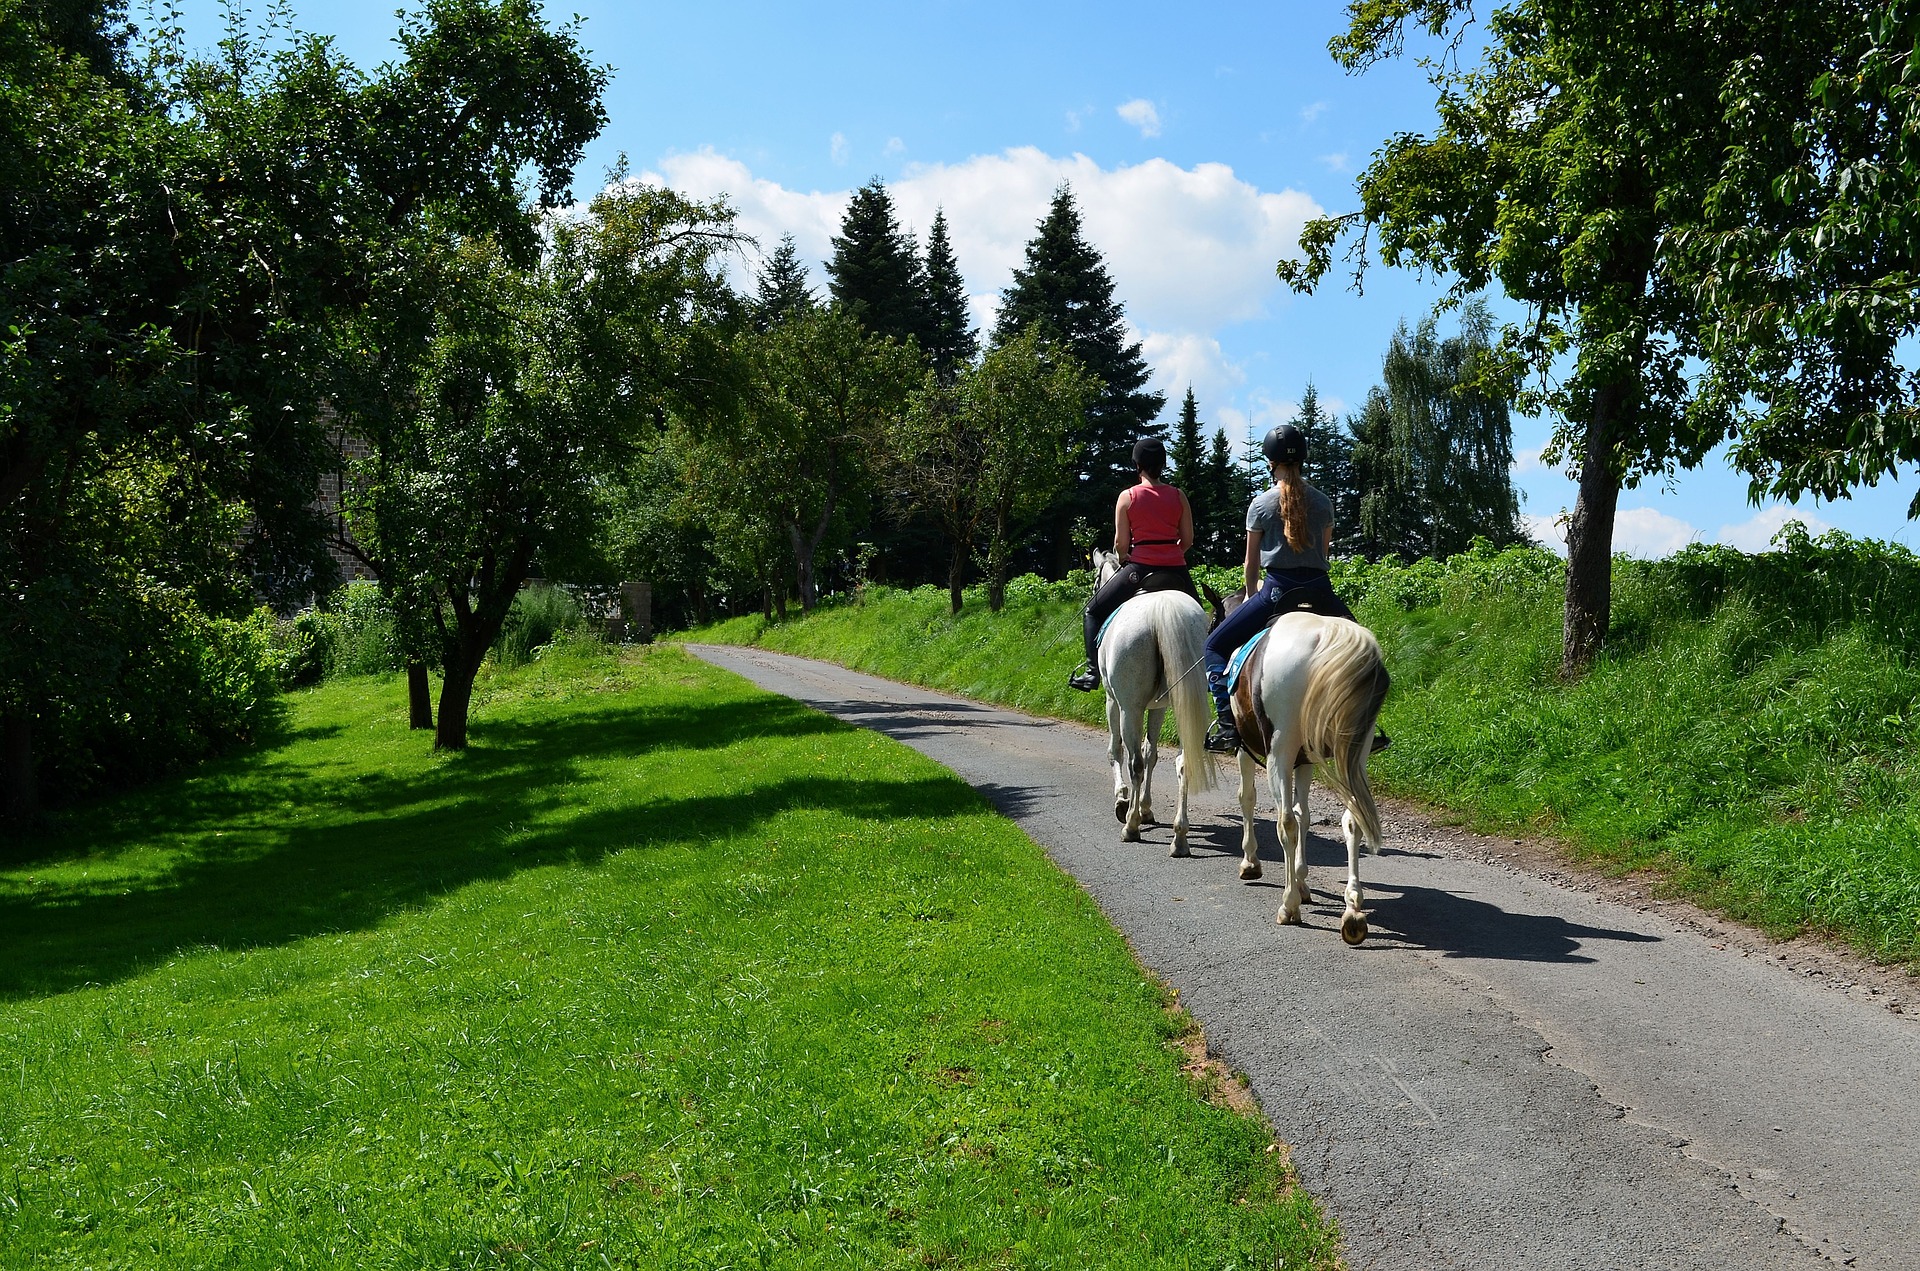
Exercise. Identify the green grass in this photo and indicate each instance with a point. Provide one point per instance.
(1767, 769)
(664, 972)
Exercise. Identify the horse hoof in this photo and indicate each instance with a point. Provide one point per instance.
(1285, 921)
(1249, 870)
(1119, 807)
(1130, 835)
(1353, 928)
(1147, 817)
(1180, 846)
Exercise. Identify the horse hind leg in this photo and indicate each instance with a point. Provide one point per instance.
(1353, 923)
(1249, 841)
(1291, 817)
(1151, 749)
(1136, 763)
(1114, 756)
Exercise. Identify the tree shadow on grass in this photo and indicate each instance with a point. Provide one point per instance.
(300, 853)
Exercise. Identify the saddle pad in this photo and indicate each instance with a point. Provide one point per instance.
(1239, 658)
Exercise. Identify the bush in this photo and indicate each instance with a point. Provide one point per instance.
(352, 634)
(539, 614)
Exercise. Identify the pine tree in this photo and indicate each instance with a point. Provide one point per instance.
(1064, 290)
(875, 273)
(1224, 532)
(949, 340)
(1330, 467)
(783, 287)
(1188, 456)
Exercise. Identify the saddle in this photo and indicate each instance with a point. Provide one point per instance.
(1249, 717)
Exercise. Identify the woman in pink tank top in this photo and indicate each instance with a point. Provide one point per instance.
(1152, 530)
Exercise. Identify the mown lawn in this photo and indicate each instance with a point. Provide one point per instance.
(1767, 772)
(664, 972)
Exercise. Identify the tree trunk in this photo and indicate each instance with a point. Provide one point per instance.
(802, 566)
(456, 695)
(419, 696)
(1590, 538)
(780, 599)
(766, 602)
(21, 782)
(956, 574)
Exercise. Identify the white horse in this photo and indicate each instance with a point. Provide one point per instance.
(1310, 692)
(1150, 658)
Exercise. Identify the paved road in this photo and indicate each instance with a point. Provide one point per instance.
(1510, 1072)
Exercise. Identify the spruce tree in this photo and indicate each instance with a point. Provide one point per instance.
(783, 287)
(949, 340)
(875, 273)
(1064, 290)
(1188, 456)
(1225, 531)
(1330, 467)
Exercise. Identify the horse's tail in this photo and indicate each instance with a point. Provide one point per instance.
(1181, 633)
(1346, 683)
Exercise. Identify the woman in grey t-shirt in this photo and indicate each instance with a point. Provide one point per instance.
(1289, 532)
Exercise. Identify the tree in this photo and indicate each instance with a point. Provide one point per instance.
(783, 290)
(1432, 456)
(1224, 533)
(1567, 167)
(1187, 458)
(947, 336)
(986, 450)
(875, 273)
(541, 385)
(1330, 465)
(1804, 261)
(180, 236)
(824, 395)
(1065, 293)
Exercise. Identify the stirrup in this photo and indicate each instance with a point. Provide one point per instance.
(1222, 737)
(1086, 679)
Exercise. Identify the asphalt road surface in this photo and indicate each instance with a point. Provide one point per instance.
(1511, 1071)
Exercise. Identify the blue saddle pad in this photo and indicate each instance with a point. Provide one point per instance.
(1239, 658)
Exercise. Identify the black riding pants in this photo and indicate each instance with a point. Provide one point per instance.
(1131, 580)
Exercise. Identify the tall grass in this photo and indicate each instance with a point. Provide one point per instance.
(1748, 731)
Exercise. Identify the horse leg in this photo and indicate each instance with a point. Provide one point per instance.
(1353, 923)
(1113, 757)
(1136, 760)
(1180, 808)
(1293, 839)
(1154, 721)
(1302, 820)
(1249, 844)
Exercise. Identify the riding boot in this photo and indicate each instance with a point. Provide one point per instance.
(1223, 738)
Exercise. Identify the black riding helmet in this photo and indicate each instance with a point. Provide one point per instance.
(1285, 444)
(1150, 456)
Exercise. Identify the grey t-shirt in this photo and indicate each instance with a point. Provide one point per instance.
(1263, 515)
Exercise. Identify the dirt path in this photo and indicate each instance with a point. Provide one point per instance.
(1512, 1071)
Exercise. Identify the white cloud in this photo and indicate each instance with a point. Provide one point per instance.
(894, 146)
(1546, 531)
(1336, 162)
(1189, 359)
(1074, 117)
(1141, 114)
(1528, 460)
(1191, 249)
(1650, 534)
(1308, 114)
(1755, 534)
(837, 147)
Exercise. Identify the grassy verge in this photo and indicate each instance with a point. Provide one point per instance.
(1753, 742)
(664, 972)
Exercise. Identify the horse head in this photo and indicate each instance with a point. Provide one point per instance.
(1219, 606)
(1105, 566)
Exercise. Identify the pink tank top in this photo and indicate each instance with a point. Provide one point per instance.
(1153, 514)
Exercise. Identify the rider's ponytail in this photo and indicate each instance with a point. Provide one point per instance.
(1293, 504)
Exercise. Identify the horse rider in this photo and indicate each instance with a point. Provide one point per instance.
(1152, 530)
(1289, 534)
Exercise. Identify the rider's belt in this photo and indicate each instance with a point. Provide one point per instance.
(1155, 542)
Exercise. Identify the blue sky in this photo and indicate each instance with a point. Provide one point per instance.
(1196, 137)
